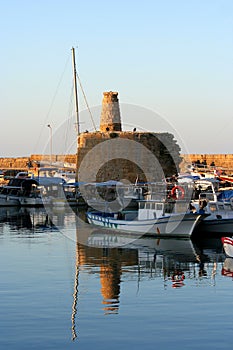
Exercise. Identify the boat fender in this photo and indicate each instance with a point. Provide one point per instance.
(177, 192)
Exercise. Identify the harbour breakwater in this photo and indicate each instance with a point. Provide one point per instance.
(34, 161)
(208, 161)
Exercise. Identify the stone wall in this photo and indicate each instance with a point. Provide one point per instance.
(34, 159)
(224, 161)
(127, 155)
(14, 163)
(67, 158)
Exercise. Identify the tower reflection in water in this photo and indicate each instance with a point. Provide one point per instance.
(142, 259)
(116, 257)
(110, 263)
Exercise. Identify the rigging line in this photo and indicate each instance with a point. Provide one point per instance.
(223, 128)
(85, 99)
(51, 105)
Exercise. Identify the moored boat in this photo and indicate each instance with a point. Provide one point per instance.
(208, 198)
(153, 218)
(228, 246)
(21, 192)
(226, 178)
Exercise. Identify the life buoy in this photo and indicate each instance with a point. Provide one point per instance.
(177, 192)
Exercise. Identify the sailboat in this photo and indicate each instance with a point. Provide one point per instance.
(68, 193)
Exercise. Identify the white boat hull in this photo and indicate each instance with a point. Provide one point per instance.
(228, 246)
(178, 225)
(14, 201)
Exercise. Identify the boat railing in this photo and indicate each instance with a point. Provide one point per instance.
(228, 205)
(208, 196)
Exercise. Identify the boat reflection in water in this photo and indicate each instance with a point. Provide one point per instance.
(117, 258)
(227, 269)
(18, 218)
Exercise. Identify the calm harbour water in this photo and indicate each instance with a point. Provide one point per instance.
(59, 294)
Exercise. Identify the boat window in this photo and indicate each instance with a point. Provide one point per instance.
(221, 206)
(142, 205)
(153, 206)
(147, 205)
(159, 206)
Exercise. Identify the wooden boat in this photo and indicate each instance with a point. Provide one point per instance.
(228, 246)
(153, 218)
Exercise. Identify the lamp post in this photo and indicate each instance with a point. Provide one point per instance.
(51, 144)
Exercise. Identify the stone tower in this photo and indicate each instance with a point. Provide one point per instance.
(113, 154)
(110, 115)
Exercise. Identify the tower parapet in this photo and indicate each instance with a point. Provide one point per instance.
(110, 114)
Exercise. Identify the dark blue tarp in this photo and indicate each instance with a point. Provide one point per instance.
(225, 195)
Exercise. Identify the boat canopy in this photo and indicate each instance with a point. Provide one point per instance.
(225, 195)
(105, 183)
(25, 183)
(50, 181)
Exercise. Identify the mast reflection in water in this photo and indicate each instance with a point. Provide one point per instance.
(114, 275)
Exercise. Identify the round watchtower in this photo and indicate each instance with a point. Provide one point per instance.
(110, 114)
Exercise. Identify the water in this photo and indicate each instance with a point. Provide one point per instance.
(59, 294)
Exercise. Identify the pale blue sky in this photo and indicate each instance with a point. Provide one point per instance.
(172, 57)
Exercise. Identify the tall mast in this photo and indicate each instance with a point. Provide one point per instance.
(75, 91)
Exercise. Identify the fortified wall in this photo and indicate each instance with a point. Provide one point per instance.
(223, 161)
(34, 160)
(113, 154)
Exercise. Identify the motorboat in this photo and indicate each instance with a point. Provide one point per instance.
(21, 191)
(226, 178)
(209, 198)
(153, 218)
(32, 192)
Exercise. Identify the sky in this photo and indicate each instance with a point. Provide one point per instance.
(171, 60)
